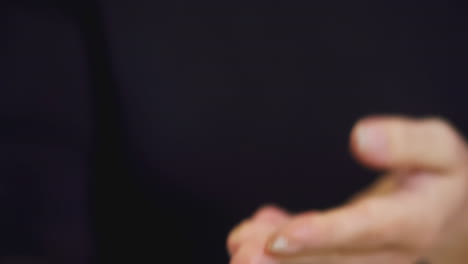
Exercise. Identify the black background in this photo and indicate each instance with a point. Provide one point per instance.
(144, 130)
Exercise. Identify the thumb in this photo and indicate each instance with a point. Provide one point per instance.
(390, 142)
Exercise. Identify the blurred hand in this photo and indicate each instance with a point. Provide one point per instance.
(417, 209)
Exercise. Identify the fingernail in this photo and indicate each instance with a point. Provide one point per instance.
(372, 141)
(279, 244)
(282, 245)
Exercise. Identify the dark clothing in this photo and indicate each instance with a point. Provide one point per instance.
(146, 129)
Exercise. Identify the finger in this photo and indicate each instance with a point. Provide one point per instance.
(271, 214)
(237, 235)
(384, 185)
(253, 252)
(374, 257)
(264, 222)
(369, 224)
(397, 142)
(250, 230)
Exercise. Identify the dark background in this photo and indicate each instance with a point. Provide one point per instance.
(145, 130)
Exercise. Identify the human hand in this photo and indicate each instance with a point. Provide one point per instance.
(418, 208)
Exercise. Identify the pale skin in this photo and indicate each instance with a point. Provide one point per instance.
(417, 209)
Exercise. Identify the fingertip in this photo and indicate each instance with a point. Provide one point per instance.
(252, 254)
(251, 231)
(232, 247)
(232, 241)
(369, 143)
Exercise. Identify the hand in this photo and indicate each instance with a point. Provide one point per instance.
(417, 209)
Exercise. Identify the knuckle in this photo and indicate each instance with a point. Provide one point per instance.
(387, 229)
(266, 211)
(425, 238)
(376, 229)
(270, 214)
(388, 232)
(421, 236)
(426, 242)
(423, 243)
